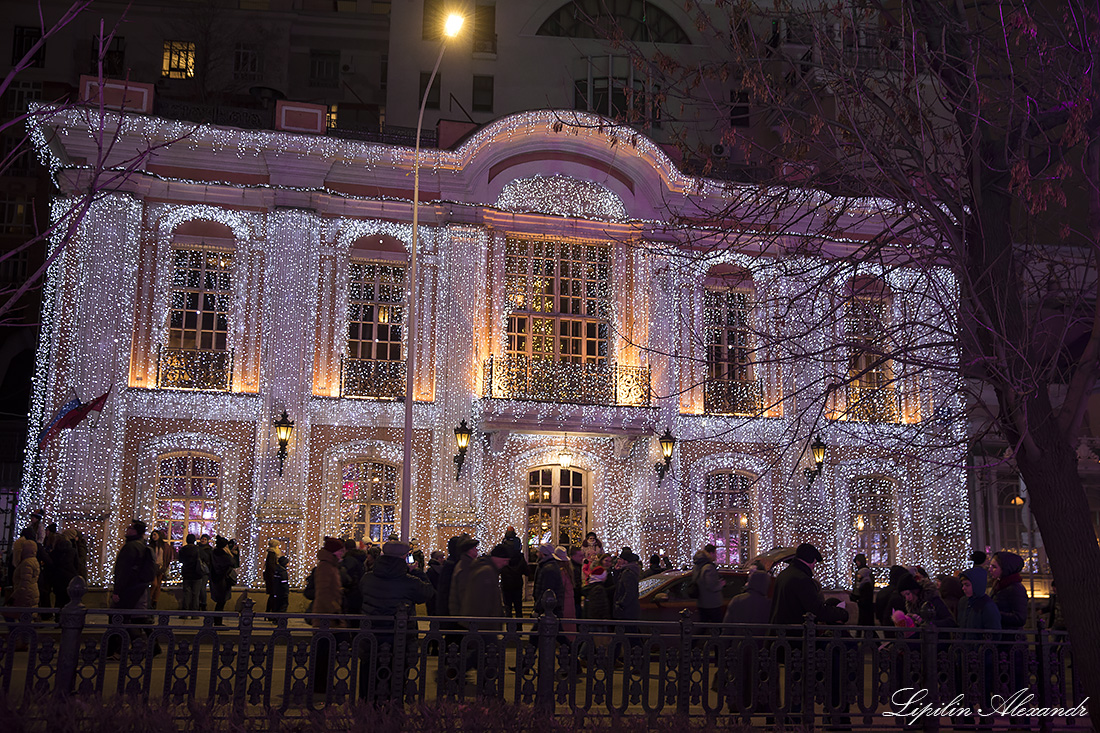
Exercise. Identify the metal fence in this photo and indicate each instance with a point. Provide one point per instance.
(808, 675)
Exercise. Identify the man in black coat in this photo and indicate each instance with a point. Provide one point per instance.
(195, 573)
(797, 593)
(134, 569)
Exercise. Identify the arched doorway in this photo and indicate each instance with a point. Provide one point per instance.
(557, 506)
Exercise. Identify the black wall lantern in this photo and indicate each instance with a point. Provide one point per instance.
(817, 449)
(462, 439)
(668, 443)
(284, 427)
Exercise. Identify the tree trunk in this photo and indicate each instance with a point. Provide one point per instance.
(1062, 515)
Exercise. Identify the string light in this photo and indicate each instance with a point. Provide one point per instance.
(290, 283)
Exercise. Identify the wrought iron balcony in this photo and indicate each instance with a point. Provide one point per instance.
(371, 379)
(872, 404)
(732, 397)
(543, 380)
(194, 369)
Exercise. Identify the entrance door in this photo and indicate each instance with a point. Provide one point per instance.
(557, 511)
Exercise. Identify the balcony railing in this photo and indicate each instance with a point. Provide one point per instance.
(194, 369)
(872, 404)
(732, 397)
(371, 379)
(543, 380)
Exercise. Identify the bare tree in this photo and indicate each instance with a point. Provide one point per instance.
(100, 177)
(981, 121)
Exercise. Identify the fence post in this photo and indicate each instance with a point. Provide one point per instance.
(547, 637)
(683, 675)
(244, 641)
(1043, 653)
(809, 671)
(929, 642)
(400, 642)
(71, 620)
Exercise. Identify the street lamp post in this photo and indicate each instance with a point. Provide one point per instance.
(450, 29)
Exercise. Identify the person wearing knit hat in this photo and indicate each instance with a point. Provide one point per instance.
(396, 548)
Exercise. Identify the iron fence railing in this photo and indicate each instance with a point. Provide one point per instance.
(545, 380)
(194, 369)
(809, 675)
(732, 397)
(369, 379)
(873, 404)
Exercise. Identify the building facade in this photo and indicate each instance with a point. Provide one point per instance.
(243, 273)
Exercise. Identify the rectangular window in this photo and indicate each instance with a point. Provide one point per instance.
(15, 156)
(871, 391)
(483, 94)
(16, 215)
(331, 116)
(246, 62)
(739, 109)
(619, 97)
(324, 68)
(376, 311)
(198, 316)
(485, 29)
(114, 56)
(731, 388)
(14, 268)
(433, 95)
(19, 95)
(23, 39)
(178, 61)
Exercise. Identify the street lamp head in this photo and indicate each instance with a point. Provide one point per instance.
(818, 448)
(453, 25)
(462, 436)
(668, 443)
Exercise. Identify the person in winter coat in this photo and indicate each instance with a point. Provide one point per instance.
(134, 570)
(1008, 591)
(889, 598)
(597, 602)
(576, 566)
(354, 562)
(162, 556)
(548, 576)
(221, 581)
(951, 592)
(705, 578)
(328, 583)
(480, 586)
(798, 593)
(513, 575)
(751, 606)
(626, 587)
(435, 565)
(271, 570)
(446, 573)
(27, 570)
(467, 553)
(863, 592)
(569, 596)
(513, 542)
(925, 606)
(63, 565)
(389, 585)
(195, 573)
(280, 596)
(654, 566)
(977, 611)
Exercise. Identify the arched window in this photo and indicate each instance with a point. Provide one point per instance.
(728, 521)
(556, 506)
(872, 503)
(636, 20)
(728, 301)
(368, 500)
(872, 396)
(188, 485)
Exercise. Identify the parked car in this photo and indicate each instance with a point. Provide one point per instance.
(664, 595)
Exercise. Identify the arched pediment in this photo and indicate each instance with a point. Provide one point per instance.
(561, 195)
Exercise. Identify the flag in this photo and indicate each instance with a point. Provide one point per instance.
(73, 416)
(47, 432)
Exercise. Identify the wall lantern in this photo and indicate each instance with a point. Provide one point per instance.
(284, 427)
(817, 448)
(462, 440)
(668, 443)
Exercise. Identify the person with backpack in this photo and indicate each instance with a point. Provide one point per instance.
(706, 585)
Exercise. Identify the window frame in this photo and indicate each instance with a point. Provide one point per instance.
(321, 61)
(487, 81)
(23, 38)
(208, 525)
(734, 519)
(364, 516)
(178, 59)
(878, 520)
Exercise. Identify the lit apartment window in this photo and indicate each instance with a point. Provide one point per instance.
(433, 95)
(15, 215)
(872, 503)
(560, 299)
(331, 116)
(23, 39)
(368, 500)
(727, 516)
(246, 62)
(187, 495)
(483, 94)
(374, 366)
(871, 393)
(731, 388)
(179, 60)
(197, 354)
